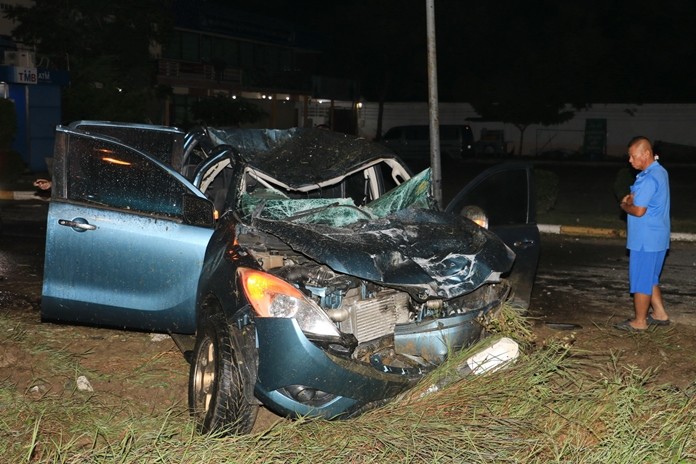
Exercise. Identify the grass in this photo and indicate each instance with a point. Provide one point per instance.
(589, 196)
(554, 404)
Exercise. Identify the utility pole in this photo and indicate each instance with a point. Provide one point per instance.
(433, 108)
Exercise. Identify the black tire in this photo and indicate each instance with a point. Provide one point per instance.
(217, 381)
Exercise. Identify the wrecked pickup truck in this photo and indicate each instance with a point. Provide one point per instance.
(317, 276)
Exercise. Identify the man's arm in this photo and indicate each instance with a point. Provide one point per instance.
(628, 206)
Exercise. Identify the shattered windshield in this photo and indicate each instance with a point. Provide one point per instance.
(267, 202)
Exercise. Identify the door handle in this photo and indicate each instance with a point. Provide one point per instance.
(524, 244)
(78, 226)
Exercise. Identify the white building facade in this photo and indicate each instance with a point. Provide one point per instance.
(672, 123)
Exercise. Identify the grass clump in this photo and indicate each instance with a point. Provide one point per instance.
(552, 404)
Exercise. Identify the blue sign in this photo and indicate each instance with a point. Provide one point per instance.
(32, 76)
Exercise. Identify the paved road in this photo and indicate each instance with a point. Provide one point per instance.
(22, 218)
(579, 278)
(585, 280)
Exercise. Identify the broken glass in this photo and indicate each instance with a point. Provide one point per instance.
(269, 203)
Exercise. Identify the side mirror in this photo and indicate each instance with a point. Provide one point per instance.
(198, 211)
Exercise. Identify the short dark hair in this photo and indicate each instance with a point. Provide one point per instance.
(639, 138)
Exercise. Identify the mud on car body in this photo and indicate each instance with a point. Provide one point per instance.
(330, 282)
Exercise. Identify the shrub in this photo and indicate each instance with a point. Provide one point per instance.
(546, 190)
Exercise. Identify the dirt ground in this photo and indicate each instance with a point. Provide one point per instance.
(149, 370)
(127, 365)
(38, 358)
(669, 352)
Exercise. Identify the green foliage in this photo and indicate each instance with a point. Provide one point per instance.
(120, 30)
(546, 183)
(221, 111)
(551, 405)
(106, 48)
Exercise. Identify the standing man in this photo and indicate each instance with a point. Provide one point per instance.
(647, 209)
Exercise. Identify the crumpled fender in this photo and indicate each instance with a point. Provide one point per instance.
(426, 253)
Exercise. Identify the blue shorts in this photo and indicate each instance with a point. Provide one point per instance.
(644, 268)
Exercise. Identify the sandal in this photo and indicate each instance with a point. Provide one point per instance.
(660, 322)
(627, 327)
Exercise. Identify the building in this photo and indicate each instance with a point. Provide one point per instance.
(214, 50)
(221, 50)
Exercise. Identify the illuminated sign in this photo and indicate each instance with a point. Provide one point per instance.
(32, 76)
(26, 75)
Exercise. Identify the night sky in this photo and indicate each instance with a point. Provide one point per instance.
(578, 52)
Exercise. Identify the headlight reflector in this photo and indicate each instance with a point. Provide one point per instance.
(475, 214)
(270, 296)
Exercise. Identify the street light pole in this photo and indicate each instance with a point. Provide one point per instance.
(433, 108)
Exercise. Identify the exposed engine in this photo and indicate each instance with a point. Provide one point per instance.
(366, 310)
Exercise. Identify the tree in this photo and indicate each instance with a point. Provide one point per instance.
(523, 114)
(533, 77)
(106, 46)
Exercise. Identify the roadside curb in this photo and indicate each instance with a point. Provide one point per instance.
(579, 231)
(20, 195)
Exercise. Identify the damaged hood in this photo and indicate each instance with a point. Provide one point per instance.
(424, 252)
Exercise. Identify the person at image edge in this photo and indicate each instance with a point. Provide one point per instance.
(647, 209)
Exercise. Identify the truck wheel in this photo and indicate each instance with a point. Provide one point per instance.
(217, 381)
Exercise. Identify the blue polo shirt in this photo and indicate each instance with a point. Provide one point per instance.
(650, 232)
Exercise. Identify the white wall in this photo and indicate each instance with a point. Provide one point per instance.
(674, 123)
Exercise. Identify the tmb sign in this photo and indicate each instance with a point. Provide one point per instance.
(26, 75)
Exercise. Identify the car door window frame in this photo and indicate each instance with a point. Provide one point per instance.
(463, 198)
(138, 183)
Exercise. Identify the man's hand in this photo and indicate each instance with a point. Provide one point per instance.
(42, 184)
(628, 206)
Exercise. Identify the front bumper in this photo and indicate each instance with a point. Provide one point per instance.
(287, 360)
(433, 339)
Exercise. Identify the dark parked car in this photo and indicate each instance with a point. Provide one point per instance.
(412, 143)
(330, 282)
(492, 143)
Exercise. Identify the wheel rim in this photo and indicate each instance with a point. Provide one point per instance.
(204, 381)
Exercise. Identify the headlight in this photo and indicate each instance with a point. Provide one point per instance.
(270, 296)
(475, 214)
